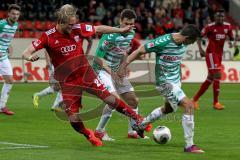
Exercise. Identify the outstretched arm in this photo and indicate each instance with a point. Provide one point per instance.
(202, 52)
(108, 29)
(122, 69)
(28, 54)
(89, 45)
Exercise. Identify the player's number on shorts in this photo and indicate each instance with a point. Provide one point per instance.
(97, 82)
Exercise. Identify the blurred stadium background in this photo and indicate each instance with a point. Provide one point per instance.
(155, 18)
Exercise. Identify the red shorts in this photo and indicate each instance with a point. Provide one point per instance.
(214, 62)
(72, 89)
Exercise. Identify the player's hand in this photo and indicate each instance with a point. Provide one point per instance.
(121, 72)
(116, 78)
(202, 53)
(33, 58)
(126, 29)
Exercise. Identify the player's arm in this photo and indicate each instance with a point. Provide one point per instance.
(90, 42)
(134, 55)
(204, 32)
(47, 58)
(231, 37)
(135, 44)
(108, 29)
(199, 43)
(28, 54)
(102, 63)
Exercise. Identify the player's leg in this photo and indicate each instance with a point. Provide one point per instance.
(72, 103)
(58, 98)
(57, 101)
(6, 72)
(127, 93)
(94, 86)
(100, 131)
(36, 96)
(188, 126)
(205, 85)
(131, 99)
(158, 113)
(49, 90)
(216, 90)
(176, 97)
(216, 83)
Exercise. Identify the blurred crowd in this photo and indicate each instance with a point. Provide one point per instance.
(155, 17)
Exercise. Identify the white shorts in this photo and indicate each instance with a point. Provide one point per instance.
(6, 67)
(112, 86)
(172, 93)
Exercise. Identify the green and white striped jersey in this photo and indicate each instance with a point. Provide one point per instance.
(6, 35)
(168, 58)
(112, 48)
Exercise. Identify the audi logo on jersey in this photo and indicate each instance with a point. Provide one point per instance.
(67, 49)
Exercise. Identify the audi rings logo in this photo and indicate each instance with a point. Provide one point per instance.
(67, 49)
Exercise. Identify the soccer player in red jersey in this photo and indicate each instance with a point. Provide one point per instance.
(64, 46)
(217, 33)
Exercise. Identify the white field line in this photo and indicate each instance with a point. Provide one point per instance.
(20, 146)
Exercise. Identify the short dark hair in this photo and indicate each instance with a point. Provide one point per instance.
(220, 12)
(129, 14)
(14, 6)
(191, 31)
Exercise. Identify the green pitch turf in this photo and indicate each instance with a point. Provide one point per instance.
(217, 132)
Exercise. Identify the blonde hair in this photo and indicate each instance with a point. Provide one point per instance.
(65, 12)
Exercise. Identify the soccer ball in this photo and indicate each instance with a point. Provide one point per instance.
(161, 135)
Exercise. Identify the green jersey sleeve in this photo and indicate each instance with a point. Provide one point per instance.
(157, 44)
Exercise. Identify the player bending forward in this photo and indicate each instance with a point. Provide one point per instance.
(64, 46)
(170, 49)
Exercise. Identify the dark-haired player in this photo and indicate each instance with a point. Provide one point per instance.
(216, 32)
(170, 49)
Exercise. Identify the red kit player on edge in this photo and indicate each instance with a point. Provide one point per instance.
(72, 70)
(217, 33)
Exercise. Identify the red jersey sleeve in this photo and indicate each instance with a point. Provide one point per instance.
(41, 42)
(205, 31)
(85, 30)
(134, 45)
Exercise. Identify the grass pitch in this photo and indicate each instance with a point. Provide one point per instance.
(37, 134)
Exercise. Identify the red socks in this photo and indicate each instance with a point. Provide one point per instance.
(216, 90)
(202, 89)
(80, 128)
(123, 108)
